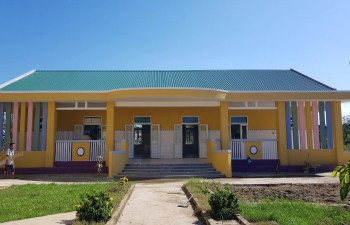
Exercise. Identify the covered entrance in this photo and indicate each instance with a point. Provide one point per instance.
(143, 138)
(190, 141)
(190, 138)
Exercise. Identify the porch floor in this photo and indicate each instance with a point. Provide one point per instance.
(167, 161)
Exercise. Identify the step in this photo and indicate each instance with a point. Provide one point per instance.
(209, 176)
(169, 170)
(174, 173)
(166, 165)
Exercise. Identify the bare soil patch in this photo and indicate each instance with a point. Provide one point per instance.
(325, 193)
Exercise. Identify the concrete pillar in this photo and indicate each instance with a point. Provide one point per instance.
(281, 133)
(51, 133)
(224, 122)
(110, 127)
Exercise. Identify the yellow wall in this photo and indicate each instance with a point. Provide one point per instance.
(257, 144)
(222, 162)
(75, 146)
(117, 161)
(167, 117)
(29, 159)
(317, 156)
(66, 119)
(257, 119)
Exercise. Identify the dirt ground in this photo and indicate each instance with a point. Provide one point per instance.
(322, 193)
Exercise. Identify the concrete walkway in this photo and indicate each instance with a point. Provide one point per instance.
(152, 202)
(157, 203)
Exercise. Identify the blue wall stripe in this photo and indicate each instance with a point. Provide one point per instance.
(1, 121)
(43, 127)
(295, 125)
(288, 126)
(323, 131)
(329, 125)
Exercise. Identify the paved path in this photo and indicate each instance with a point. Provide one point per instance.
(157, 203)
(62, 218)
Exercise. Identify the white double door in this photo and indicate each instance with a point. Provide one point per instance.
(131, 139)
(178, 140)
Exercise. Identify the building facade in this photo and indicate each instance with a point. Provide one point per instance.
(56, 116)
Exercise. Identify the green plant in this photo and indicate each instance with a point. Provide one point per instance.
(99, 164)
(123, 181)
(95, 206)
(344, 179)
(224, 204)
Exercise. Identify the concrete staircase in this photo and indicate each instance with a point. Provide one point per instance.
(146, 171)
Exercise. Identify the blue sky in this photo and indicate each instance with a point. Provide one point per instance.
(309, 36)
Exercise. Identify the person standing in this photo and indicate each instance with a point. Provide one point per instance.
(9, 163)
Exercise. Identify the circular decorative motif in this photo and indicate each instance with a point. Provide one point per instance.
(80, 151)
(253, 150)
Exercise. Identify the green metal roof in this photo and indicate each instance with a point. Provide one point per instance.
(228, 80)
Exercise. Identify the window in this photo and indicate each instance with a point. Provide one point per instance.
(239, 119)
(190, 119)
(239, 127)
(142, 119)
(189, 135)
(137, 134)
(93, 120)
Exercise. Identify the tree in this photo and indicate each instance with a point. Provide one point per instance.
(346, 130)
(344, 179)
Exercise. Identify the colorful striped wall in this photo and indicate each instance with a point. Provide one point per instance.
(309, 125)
(26, 123)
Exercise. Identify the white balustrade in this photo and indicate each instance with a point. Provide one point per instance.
(97, 148)
(63, 151)
(269, 148)
(237, 149)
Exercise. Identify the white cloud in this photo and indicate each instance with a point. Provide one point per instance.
(345, 109)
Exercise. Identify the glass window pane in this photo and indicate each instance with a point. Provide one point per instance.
(235, 131)
(244, 132)
(144, 119)
(193, 119)
(239, 119)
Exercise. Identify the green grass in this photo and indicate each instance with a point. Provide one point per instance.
(200, 191)
(34, 200)
(279, 210)
(294, 212)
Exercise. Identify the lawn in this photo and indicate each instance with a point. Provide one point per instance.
(280, 210)
(34, 200)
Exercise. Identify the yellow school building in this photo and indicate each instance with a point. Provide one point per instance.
(217, 116)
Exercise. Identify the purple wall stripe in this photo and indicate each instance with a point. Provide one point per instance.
(15, 122)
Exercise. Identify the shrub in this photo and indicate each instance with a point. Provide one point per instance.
(123, 181)
(344, 179)
(224, 204)
(95, 206)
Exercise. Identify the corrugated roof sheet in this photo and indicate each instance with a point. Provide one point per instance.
(229, 80)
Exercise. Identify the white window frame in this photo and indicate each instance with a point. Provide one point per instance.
(150, 119)
(189, 123)
(92, 123)
(240, 125)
